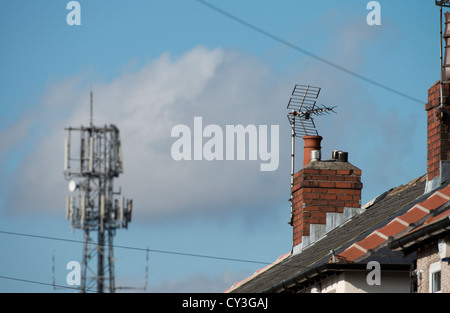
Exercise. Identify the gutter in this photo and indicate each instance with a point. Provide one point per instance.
(330, 268)
(420, 235)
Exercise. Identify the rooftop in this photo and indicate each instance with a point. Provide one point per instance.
(336, 249)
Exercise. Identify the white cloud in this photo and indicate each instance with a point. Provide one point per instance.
(223, 87)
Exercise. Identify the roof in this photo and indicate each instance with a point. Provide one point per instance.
(420, 214)
(364, 237)
(435, 224)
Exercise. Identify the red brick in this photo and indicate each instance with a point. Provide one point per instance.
(318, 214)
(328, 172)
(345, 197)
(343, 185)
(354, 204)
(318, 190)
(311, 171)
(338, 178)
(356, 192)
(315, 220)
(330, 208)
(329, 197)
(357, 172)
(328, 184)
(336, 191)
(312, 208)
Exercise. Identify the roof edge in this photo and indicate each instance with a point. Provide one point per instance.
(331, 268)
(416, 237)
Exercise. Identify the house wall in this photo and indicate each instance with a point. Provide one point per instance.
(427, 255)
(356, 282)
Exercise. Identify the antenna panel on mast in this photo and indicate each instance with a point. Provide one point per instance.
(303, 107)
(93, 207)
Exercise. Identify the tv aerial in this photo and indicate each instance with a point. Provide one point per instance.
(303, 110)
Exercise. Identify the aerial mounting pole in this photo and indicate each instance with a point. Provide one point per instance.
(92, 108)
(303, 106)
(443, 3)
(441, 100)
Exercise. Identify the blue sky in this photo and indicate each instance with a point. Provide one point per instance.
(156, 64)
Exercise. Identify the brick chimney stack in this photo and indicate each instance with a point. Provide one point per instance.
(324, 195)
(438, 122)
(438, 135)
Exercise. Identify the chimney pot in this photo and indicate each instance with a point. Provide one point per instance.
(334, 154)
(315, 155)
(311, 143)
(342, 156)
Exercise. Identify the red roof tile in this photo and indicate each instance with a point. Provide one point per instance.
(413, 215)
(392, 228)
(436, 218)
(431, 220)
(445, 191)
(399, 224)
(434, 202)
(371, 241)
(352, 253)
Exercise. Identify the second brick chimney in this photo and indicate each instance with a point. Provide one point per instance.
(438, 136)
(324, 194)
(438, 122)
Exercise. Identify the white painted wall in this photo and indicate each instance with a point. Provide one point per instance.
(355, 282)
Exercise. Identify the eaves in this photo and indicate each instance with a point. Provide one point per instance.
(315, 274)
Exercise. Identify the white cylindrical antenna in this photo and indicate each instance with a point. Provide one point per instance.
(83, 208)
(120, 159)
(91, 153)
(102, 206)
(122, 202)
(67, 208)
(72, 186)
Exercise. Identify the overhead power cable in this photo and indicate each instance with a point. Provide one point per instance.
(29, 281)
(308, 53)
(299, 267)
(140, 249)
